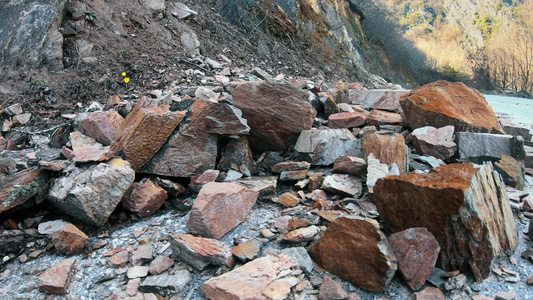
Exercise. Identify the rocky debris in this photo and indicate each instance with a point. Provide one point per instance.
(248, 250)
(293, 175)
(416, 250)
(219, 207)
(357, 251)
(370, 99)
(166, 284)
(376, 170)
(430, 141)
(238, 156)
(389, 149)
(348, 164)
(380, 117)
(506, 296)
(102, 126)
(265, 186)
(268, 277)
(443, 103)
(288, 200)
(144, 198)
(343, 184)
(277, 113)
(200, 252)
(136, 137)
(465, 207)
(56, 279)
(479, 147)
(346, 120)
(160, 264)
(324, 146)
(331, 289)
(429, 293)
(512, 171)
(142, 254)
(290, 166)
(75, 194)
(305, 234)
(22, 189)
(69, 240)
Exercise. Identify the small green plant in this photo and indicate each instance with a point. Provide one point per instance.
(38, 84)
(90, 15)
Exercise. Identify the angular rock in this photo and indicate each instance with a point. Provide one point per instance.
(443, 103)
(119, 259)
(144, 198)
(288, 200)
(219, 208)
(51, 227)
(248, 250)
(479, 147)
(137, 138)
(206, 94)
(55, 280)
(166, 284)
(137, 272)
(357, 251)
(466, 208)
(517, 131)
(70, 240)
(277, 113)
(343, 184)
(102, 126)
(325, 146)
(160, 264)
(265, 186)
(142, 254)
(200, 252)
(75, 194)
(512, 171)
(509, 295)
(301, 257)
(22, 189)
(429, 293)
(346, 120)
(238, 156)
(381, 117)
(330, 106)
(389, 149)
(193, 149)
(299, 235)
(80, 141)
(254, 280)
(416, 250)
(293, 175)
(332, 290)
(371, 99)
(290, 166)
(348, 164)
(430, 141)
(315, 181)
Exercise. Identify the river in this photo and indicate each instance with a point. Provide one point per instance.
(518, 111)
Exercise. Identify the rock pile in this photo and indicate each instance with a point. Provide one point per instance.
(353, 192)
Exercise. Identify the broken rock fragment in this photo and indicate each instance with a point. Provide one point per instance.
(22, 189)
(102, 126)
(343, 184)
(357, 251)
(56, 279)
(348, 164)
(479, 147)
(389, 149)
(70, 240)
(200, 252)
(512, 171)
(238, 156)
(144, 198)
(381, 117)
(346, 120)
(465, 207)
(219, 208)
(430, 141)
(324, 146)
(166, 284)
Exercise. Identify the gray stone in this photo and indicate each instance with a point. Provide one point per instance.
(76, 194)
(479, 147)
(165, 284)
(372, 99)
(431, 141)
(375, 170)
(156, 6)
(266, 186)
(181, 11)
(342, 184)
(325, 146)
(301, 257)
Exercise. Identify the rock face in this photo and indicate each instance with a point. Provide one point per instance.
(264, 278)
(479, 147)
(144, 198)
(276, 113)
(21, 189)
(430, 141)
(466, 208)
(417, 251)
(357, 251)
(200, 252)
(389, 149)
(56, 279)
(220, 207)
(137, 138)
(443, 103)
(75, 194)
(325, 146)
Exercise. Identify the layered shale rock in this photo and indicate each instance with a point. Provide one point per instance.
(465, 207)
(22, 189)
(430, 141)
(323, 147)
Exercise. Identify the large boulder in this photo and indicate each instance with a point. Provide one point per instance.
(479, 147)
(443, 103)
(276, 113)
(465, 207)
(357, 251)
(323, 147)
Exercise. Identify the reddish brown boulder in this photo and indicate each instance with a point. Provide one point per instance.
(200, 252)
(357, 251)
(144, 198)
(466, 208)
(389, 149)
(381, 117)
(102, 126)
(70, 240)
(430, 141)
(267, 277)
(346, 120)
(348, 164)
(23, 189)
(220, 207)
(512, 171)
(416, 250)
(276, 113)
(56, 279)
(443, 103)
(137, 137)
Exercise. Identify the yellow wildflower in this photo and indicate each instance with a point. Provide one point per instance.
(126, 79)
(124, 74)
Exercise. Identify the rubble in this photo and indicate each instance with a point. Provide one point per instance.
(200, 252)
(430, 141)
(324, 146)
(389, 149)
(56, 279)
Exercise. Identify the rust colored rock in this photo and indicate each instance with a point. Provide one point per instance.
(259, 279)
(290, 166)
(512, 171)
(389, 149)
(293, 175)
(219, 208)
(330, 106)
(238, 156)
(200, 252)
(466, 208)
(56, 279)
(102, 126)
(144, 198)
(315, 181)
(346, 120)
(23, 189)
(247, 251)
(70, 240)
(119, 259)
(331, 290)
(357, 251)
(381, 117)
(443, 103)
(288, 200)
(304, 234)
(276, 113)
(348, 164)
(297, 223)
(92, 155)
(430, 141)
(417, 251)
(429, 293)
(143, 132)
